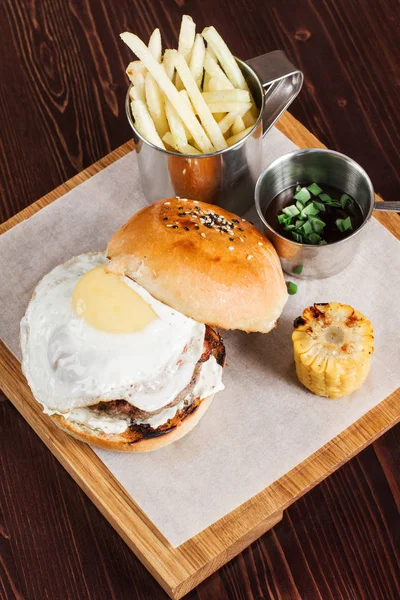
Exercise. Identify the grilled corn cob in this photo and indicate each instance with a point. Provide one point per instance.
(333, 345)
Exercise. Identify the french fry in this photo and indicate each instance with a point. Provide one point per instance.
(225, 57)
(218, 116)
(176, 126)
(228, 63)
(206, 81)
(214, 70)
(137, 92)
(155, 46)
(144, 123)
(211, 53)
(227, 122)
(185, 43)
(226, 96)
(168, 63)
(216, 107)
(169, 141)
(230, 118)
(185, 149)
(185, 98)
(248, 119)
(158, 72)
(199, 104)
(196, 64)
(189, 149)
(239, 136)
(155, 104)
(186, 37)
(215, 85)
(134, 69)
(238, 125)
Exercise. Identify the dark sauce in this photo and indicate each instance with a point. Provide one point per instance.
(329, 215)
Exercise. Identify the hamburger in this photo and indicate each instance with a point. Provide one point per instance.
(120, 347)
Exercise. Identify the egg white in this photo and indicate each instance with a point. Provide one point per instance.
(69, 364)
(209, 382)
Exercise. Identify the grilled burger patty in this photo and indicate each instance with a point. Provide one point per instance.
(121, 408)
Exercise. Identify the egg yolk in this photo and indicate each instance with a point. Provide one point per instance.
(105, 302)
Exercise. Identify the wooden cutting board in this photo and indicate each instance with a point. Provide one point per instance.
(178, 570)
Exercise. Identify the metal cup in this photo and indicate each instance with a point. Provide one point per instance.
(328, 168)
(226, 178)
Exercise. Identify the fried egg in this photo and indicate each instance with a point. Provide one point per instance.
(90, 336)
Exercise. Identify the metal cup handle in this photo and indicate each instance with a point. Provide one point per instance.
(281, 81)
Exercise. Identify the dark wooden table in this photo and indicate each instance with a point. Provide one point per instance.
(62, 87)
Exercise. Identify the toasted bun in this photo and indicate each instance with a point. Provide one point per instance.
(121, 443)
(203, 261)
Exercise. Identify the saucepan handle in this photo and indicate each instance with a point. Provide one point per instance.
(281, 81)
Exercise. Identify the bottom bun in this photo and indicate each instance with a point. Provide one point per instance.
(121, 443)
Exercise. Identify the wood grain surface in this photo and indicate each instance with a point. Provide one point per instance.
(179, 570)
(61, 108)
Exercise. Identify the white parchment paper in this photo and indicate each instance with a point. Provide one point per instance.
(264, 422)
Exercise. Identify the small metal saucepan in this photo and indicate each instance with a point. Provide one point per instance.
(326, 168)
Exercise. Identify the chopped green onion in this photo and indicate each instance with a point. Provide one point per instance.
(317, 224)
(300, 218)
(344, 224)
(307, 228)
(303, 195)
(345, 200)
(319, 205)
(297, 237)
(291, 288)
(298, 270)
(314, 189)
(314, 238)
(325, 197)
(291, 211)
(310, 209)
